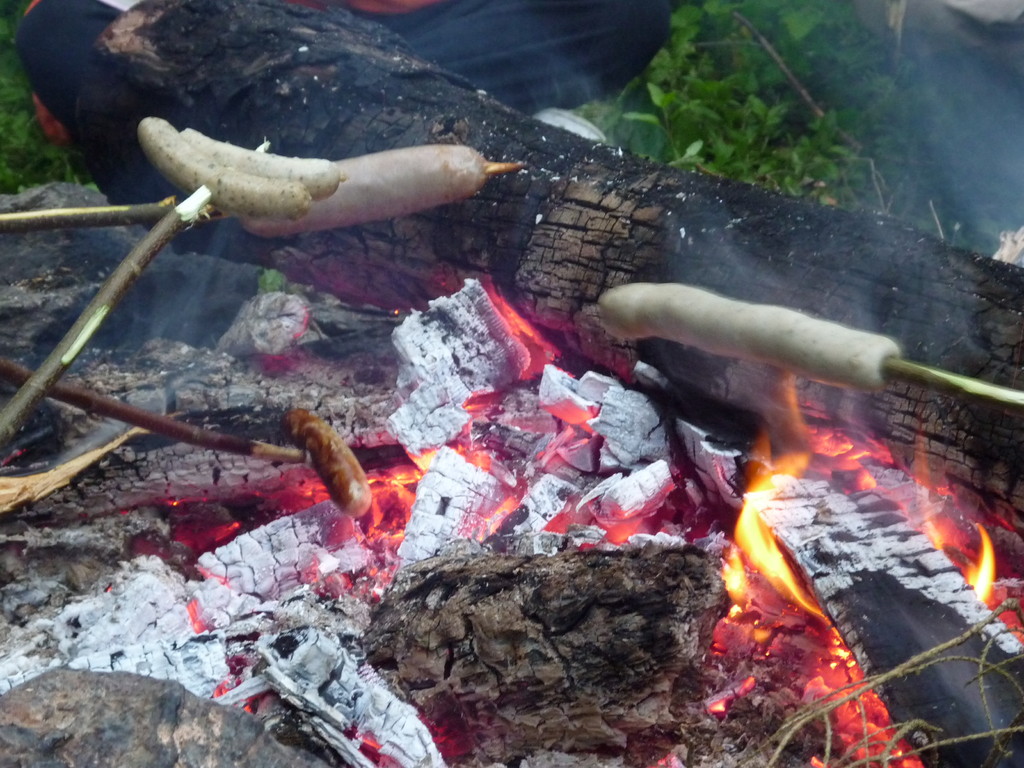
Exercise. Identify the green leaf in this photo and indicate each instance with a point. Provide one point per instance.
(642, 117)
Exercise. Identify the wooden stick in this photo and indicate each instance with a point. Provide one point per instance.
(110, 293)
(93, 402)
(99, 216)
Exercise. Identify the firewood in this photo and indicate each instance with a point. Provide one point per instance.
(577, 651)
(583, 219)
(82, 709)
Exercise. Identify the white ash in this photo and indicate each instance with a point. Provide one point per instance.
(629, 422)
(632, 427)
(459, 347)
(661, 539)
(573, 447)
(314, 672)
(521, 410)
(463, 334)
(248, 573)
(198, 663)
(452, 495)
(834, 537)
(549, 542)
(650, 378)
(145, 602)
(138, 622)
(432, 415)
(559, 396)
(267, 324)
(544, 500)
(717, 467)
(625, 497)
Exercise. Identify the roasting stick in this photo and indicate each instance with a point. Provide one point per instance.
(108, 407)
(815, 349)
(20, 406)
(319, 445)
(97, 216)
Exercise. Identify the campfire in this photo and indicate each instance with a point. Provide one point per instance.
(578, 549)
(547, 568)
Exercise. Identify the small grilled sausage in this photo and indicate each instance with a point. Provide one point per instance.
(332, 459)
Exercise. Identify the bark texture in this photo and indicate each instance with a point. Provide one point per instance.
(578, 651)
(67, 719)
(582, 218)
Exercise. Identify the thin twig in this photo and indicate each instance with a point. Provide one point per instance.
(110, 293)
(797, 86)
(99, 216)
(100, 405)
(936, 655)
(935, 217)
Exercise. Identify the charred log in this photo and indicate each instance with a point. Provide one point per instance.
(895, 597)
(581, 219)
(577, 651)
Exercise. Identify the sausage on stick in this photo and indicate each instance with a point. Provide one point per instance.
(817, 349)
(386, 185)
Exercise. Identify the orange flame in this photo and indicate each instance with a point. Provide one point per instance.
(982, 575)
(753, 535)
(757, 541)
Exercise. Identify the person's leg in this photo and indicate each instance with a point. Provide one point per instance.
(53, 41)
(533, 54)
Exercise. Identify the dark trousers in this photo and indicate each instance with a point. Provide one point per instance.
(529, 54)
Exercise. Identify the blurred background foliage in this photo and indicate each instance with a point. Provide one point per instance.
(26, 157)
(714, 100)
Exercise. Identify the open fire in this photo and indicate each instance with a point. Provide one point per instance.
(507, 452)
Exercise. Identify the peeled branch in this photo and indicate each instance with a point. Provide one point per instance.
(816, 349)
(386, 185)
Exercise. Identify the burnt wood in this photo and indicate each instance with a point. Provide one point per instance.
(582, 218)
(893, 596)
(578, 651)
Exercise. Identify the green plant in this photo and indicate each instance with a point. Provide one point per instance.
(27, 158)
(714, 99)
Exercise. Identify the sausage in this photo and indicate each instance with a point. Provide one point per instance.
(816, 349)
(243, 194)
(386, 185)
(319, 176)
(332, 459)
(171, 155)
(233, 191)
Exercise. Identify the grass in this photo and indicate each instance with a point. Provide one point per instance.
(27, 159)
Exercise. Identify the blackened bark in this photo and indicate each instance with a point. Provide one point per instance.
(577, 651)
(581, 219)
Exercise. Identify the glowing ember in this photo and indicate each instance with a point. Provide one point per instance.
(540, 349)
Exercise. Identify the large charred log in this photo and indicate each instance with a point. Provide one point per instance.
(579, 651)
(581, 219)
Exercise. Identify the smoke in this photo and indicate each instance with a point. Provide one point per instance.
(966, 81)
